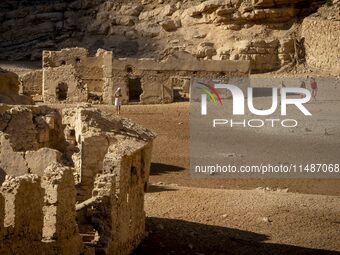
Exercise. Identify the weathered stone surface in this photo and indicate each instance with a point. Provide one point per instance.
(38, 124)
(322, 40)
(38, 161)
(23, 213)
(170, 25)
(9, 89)
(71, 75)
(157, 13)
(12, 162)
(131, 9)
(134, 28)
(9, 82)
(206, 50)
(273, 3)
(59, 210)
(110, 159)
(30, 84)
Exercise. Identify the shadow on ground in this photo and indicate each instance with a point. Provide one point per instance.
(157, 188)
(172, 236)
(159, 168)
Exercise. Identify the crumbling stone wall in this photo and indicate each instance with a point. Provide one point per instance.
(23, 215)
(39, 215)
(85, 196)
(156, 77)
(322, 41)
(82, 78)
(60, 226)
(30, 138)
(71, 75)
(9, 89)
(115, 160)
(31, 84)
(264, 54)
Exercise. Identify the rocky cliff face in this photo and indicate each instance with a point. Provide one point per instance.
(321, 32)
(263, 31)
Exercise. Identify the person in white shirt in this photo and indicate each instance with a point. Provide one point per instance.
(118, 100)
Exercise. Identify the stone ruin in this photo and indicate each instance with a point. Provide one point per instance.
(73, 181)
(9, 89)
(72, 76)
(73, 178)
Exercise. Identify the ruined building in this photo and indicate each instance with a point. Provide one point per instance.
(72, 181)
(9, 89)
(72, 75)
(73, 178)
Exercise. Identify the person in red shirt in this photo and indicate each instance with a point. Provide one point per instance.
(314, 87)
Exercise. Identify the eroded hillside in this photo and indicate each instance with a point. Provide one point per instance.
(266, 32)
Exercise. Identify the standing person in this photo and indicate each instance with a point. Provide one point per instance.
(314, 87)
(303, 86)
(118, 101)
(282, 85)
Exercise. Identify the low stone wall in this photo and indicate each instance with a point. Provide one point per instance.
(322, 43)
(38, 217)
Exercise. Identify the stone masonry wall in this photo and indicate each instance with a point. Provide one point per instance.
(72, 199)
(156, 76)
(9, 89)
(31, 84)
(34, 220)
(322, 43)
(82, 76)
(78, 77)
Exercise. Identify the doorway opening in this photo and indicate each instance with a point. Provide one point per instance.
(135, 89)
(61, 91)
(181, 88)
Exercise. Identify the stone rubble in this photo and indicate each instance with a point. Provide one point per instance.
(80, 189)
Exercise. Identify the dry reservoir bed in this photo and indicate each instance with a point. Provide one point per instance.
(170, 162)
(223, 216)
(184, 220)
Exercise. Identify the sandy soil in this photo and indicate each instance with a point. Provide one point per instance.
(223, 216)
(210, 221)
